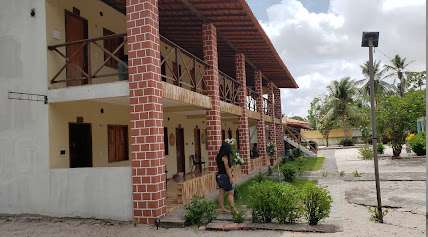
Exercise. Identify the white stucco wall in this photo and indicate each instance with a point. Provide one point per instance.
(24, 139)
(91, 192)
(27, 185)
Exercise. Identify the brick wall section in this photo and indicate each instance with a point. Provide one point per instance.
(271, 112)
(145, 111)
(209, 43)
(279, 128)
(261, 136)
(244, 136)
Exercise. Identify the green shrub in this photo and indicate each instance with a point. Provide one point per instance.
(262, 201)
(418, 144)
(199, 211)
(346, 142)
(366, 152)
(238, 215)
(316, 203)
(374, 214)
(288, 207)
(269, 171)
(289, 172)
(380, 148)
(285, 158)
(260, 177)
(295, 153)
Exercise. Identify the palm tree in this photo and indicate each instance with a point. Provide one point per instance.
(341, 102)
(416, 80)
(397, 68)
(381, 86)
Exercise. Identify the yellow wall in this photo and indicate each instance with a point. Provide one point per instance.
(335, 133)
(61, 114)
(90, 10)
(172, 121)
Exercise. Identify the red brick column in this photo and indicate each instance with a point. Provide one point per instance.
(209, 43)
(145, 111)
(279, 128)
(261, 138)
(271, 112)
(244, 136)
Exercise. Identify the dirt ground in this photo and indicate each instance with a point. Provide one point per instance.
(407, 220)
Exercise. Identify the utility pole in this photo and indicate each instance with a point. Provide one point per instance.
(370, 40)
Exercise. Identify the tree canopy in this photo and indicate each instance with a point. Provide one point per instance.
(397, 116)
(399, 104)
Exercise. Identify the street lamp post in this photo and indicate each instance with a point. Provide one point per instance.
(370, 40)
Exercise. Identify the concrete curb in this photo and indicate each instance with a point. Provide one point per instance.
(227, 226)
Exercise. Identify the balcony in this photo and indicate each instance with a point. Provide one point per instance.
(229, 88)
(81, 63)
(103, 60)
(181, 68)
(80, 67)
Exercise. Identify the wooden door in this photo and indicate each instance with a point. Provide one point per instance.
(181, 160)
(80, 145)
(117, 143)
(198, 153)
(76, 28)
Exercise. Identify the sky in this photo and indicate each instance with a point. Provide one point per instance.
(320, 40)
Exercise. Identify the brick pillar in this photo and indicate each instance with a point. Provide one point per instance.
(271, 112)
(261, 138)
(209, 41)
(244, 136)
(279, 128)
(145, 111)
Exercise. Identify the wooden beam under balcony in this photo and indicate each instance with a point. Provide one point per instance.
(230, 108)
(174, 109)
(185, 96)
(253, 114)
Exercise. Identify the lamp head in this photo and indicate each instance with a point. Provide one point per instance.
(370, 36)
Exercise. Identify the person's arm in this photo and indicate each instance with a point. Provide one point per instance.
(226, 165)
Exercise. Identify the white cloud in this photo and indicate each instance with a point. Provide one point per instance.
(321, 47)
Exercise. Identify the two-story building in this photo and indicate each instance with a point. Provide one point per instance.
(116, 109)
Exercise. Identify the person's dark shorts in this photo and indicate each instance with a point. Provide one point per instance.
(223, 182)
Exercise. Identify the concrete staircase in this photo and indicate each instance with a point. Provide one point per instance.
(305, 151)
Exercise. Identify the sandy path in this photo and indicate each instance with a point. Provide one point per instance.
(355, 220)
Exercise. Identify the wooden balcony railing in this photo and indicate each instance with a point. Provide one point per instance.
(229, 88)
(181, 68)
(178, 66)
(252, 100)
(79, 65)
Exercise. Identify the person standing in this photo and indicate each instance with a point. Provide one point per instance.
(224, 176)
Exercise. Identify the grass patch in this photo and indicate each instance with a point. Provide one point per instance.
(306, 163)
